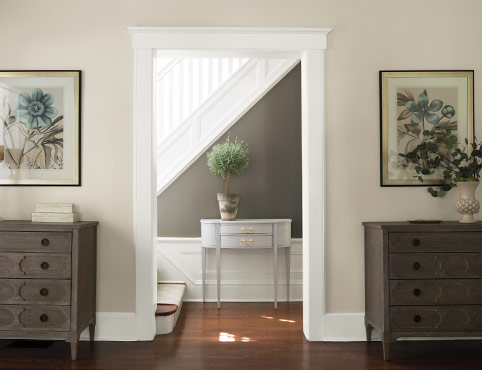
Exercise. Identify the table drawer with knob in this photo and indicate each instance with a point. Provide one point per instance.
(436, 318)
(41, 242)
(24, 317)
(435, 242)
(435, 265)
(35, 291)
(246, 229)
(236, 241)
(436, 292)
(35, 265)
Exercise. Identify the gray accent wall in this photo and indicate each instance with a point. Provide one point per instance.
(270, 188)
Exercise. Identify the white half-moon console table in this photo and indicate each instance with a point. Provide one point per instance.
(246, 234)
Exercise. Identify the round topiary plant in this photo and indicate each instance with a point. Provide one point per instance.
(230, 157)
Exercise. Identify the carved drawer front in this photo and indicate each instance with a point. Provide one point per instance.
(25, 241)
(435, 242)
(436, 318)
(51, 318)
(247, 229)
(36, 291)
(435, 265)
(246, 241)
(436, 292)
(35, 265)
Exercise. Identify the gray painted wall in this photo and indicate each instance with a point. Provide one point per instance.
(270, 188)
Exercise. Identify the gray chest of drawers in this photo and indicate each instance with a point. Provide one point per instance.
(47, 280)
(423, 280)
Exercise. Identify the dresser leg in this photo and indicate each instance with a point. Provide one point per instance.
(369, 332)
(386, 351)
(73, 350)
(92, 332)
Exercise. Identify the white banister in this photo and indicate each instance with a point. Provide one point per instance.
(183, 84)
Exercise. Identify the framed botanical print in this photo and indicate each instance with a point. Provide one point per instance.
(40, 118)
(421, 106)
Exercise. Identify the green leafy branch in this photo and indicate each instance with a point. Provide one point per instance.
(439, 150)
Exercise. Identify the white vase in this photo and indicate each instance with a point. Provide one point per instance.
(467, 205)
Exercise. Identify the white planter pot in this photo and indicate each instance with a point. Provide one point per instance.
(228, 206)
(467, 205)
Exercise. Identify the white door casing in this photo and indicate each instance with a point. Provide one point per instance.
(307, 44)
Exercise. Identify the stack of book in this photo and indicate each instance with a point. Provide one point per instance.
(55, 212)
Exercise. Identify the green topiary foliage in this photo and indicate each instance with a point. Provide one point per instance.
(227, 158)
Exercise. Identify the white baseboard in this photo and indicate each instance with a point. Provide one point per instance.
(345, 327)
(114, 326)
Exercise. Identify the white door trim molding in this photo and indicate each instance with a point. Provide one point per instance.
(309, 45)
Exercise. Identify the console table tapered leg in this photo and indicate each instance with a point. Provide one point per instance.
(204, 273)
(288, 273)
(275, 264)
(218, 274)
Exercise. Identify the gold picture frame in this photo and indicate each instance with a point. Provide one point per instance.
(40, 118)
(412, 102)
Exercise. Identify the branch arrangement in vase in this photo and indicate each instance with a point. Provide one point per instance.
(224, 160)
(438, 153)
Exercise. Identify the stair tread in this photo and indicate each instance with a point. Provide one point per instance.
(170, 294)
(166, 309)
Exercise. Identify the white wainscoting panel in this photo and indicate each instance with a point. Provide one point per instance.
(247, 275)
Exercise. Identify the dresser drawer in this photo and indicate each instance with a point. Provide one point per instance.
(436, 318)
(248, 241)
(246, 229)
(435, 242)
(35, 291)
(435, 265)
(35, 265)
(29, 241)
(51, 318)
(436, 292)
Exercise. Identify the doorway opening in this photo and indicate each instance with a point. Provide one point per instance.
(308, 46)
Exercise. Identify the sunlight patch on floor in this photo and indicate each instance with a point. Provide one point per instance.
(226, 337)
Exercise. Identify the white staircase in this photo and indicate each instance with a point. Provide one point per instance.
(199, 99)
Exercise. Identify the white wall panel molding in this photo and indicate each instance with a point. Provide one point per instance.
(247, 275)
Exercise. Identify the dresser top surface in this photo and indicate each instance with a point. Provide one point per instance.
(245, 221)
(26, 225)
(407, 226)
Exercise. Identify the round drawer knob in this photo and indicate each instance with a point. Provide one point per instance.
(416, 266)
(44, 265)
(417, 318)
(44, 318)
(416, 242)
(45, 242)
(44, 292)
(416, 292)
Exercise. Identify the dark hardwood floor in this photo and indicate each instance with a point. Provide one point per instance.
(244, 336)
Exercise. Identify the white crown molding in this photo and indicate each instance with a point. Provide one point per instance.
(233, 30)
(229, 38)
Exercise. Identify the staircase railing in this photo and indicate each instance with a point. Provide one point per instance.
(182, 85)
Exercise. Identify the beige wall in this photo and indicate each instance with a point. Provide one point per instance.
(368, 36)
